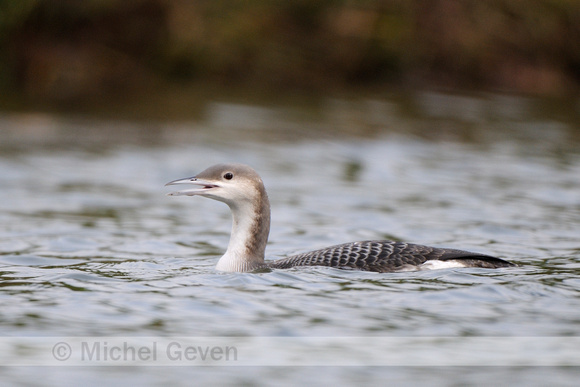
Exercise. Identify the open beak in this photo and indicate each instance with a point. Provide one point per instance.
(202, 186)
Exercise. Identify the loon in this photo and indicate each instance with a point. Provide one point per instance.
(242, 189)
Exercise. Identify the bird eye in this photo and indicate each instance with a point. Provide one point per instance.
(229, 176)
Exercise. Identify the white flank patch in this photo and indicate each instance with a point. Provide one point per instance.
(434, 265)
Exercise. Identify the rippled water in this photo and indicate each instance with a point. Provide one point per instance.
(91, 246)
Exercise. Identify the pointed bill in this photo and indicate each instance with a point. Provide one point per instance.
(202, 186)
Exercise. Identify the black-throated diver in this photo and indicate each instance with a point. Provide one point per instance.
(242, 189)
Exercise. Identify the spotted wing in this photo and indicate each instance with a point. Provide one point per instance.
(384, 256)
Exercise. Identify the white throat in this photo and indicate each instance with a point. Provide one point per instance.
(250, 228)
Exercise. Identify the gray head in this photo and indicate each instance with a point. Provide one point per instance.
(241, 188)
(232, 184)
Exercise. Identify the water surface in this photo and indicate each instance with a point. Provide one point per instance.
(90, 245)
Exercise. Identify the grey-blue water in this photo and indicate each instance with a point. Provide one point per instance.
(91, 246)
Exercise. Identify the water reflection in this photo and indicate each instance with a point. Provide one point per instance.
(436, 116)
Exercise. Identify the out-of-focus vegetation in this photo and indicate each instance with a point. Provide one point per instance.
(70, 50)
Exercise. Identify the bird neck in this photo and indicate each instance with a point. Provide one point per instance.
(250, 229)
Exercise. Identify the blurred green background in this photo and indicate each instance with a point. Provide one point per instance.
(67, 53)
